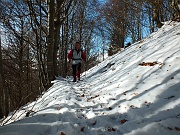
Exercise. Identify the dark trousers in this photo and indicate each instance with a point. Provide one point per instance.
(76, 70)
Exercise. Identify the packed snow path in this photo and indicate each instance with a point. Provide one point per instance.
(135, 92)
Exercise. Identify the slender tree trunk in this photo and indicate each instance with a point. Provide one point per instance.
(156, 15)
(151, 21)
(1, 111)
(28, 74)
(41, 62)
(176, 7)
(50, 41)
(56, 43)
(81, 25)
(3, 86)
(42, 72)
(66, 44)
(20, 59)
(57, 25)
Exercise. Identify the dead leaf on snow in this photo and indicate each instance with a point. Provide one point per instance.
(170, 97)
(111, 129)
(177, 128)
(145, 102)
(135, 93)
(169, 128)
(151, 64)
(94, 123)
(123, 121)
(82, 129)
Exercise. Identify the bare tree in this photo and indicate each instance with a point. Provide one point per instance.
(176, 7)
(50, 40)
(3, 88)
(115, 14)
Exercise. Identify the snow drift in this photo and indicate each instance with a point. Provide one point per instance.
(135, 92)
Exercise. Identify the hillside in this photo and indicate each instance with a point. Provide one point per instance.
(135, 92)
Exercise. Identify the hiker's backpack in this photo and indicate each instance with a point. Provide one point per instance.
(77, 55)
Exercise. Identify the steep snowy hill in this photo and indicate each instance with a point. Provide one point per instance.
(135, 92)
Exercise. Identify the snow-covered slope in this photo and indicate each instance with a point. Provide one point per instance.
(117, 97)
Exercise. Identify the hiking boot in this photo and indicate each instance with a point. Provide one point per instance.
(78, 75)
(74, 80)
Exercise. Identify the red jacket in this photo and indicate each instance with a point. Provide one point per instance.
(70, 55)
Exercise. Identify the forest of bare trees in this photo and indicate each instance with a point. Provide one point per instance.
(36, 36)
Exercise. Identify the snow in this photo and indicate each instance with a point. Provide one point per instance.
(117, 97)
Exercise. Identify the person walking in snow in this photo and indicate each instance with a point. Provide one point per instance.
(77, 55)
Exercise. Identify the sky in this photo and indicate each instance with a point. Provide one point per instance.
(102, 1)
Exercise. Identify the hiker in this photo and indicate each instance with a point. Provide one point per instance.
(77, 55)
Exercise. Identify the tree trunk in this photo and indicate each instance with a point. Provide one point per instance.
(57, 25)
(1, 84)
(156, 15)
(3, 88)
(66, 45)
(50, 41)
(176, 7)
(20, 64)
(56, 43)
